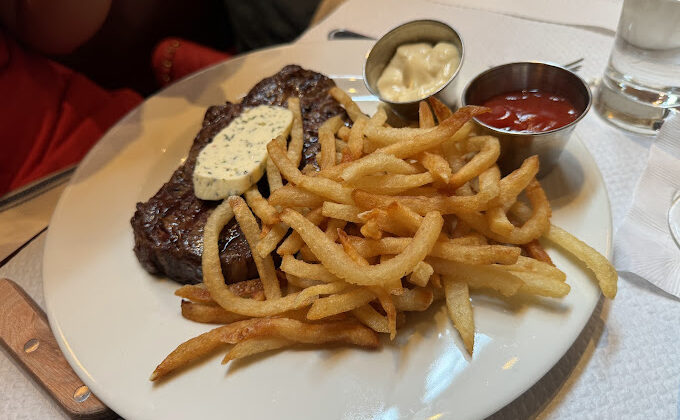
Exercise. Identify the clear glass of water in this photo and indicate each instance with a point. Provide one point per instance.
(641, 84)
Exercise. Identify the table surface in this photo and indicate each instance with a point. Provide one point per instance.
(625, 363)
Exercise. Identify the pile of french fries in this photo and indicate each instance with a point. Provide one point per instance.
(392, 220)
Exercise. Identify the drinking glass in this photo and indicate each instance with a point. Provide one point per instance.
(641, 84)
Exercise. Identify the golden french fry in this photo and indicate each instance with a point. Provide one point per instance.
(338, 303)
(251, 289)
(510, 187)
(605, 273)
(299, 268)
(391, 184)
(345, 212)
(377, 162)
(437, 166)
(348, 332)
(479, 276)
(273, 175)
(327, 188)
(516, 181)
(459, 205)
(208, 313)
(291, 196)
(295, 145)
(190, 350)
(450, 147)
(294, 242)
(268, 243)
(265, 265)
(300, 282)
(379, 118)
(195, 292)
(310, 169)
(344, 133)
(418, 299)
(425, 117)
(424, 191)
(350, 250)
(388, 306)
(327, 141)
(533, 228)
(254, 346)
(371, 318)
(440, 109)
(488, 149)
(261, 207)
(332, 228)
(436, 282)
(356, 138)
(445, 130)
(536, 284)
(530, 265)
(404, 217)
(279, 156)
(421, 274)
(422, 205)
(381, 220)
(446, 249)
(384, 136)
(346, 101)
(371, 229)
(312, 292)
(536, 251)
(460, 310)
(498, 222)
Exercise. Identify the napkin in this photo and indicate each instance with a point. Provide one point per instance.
(644, 244)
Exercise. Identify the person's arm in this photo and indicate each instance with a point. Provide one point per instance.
(54, 26)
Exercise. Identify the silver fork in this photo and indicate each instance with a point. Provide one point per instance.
(347, 34)
(574, 65)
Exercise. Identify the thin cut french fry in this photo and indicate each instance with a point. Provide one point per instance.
(460, 310)
(265, 266)
(296, 135)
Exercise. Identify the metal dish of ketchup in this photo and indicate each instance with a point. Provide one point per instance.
(534, 109)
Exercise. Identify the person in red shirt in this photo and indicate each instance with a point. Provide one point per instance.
(50, 116)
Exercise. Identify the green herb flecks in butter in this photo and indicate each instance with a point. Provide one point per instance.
(237, 156)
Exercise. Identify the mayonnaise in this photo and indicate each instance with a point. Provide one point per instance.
(418, 70)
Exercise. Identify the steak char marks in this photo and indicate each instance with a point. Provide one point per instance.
(168, 228)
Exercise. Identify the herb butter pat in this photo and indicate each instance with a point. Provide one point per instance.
(236, 158)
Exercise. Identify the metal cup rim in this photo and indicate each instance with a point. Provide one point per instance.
(375, 91)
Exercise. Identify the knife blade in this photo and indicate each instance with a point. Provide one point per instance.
(26, 212)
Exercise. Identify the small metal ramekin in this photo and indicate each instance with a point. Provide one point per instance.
(517, 146)
(430, 31)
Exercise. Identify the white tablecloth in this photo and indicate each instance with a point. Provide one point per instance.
(626, 362)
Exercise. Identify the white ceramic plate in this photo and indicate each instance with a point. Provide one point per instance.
(115, 323)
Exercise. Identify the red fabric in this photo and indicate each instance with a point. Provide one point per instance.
(50, 116)
(174, 58)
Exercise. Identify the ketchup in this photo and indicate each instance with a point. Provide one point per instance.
(528, 111)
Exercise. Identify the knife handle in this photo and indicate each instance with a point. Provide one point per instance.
(26, 334)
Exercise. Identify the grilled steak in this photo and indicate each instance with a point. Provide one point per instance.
(168, 228)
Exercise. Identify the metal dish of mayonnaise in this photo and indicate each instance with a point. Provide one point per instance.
(412, 62)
